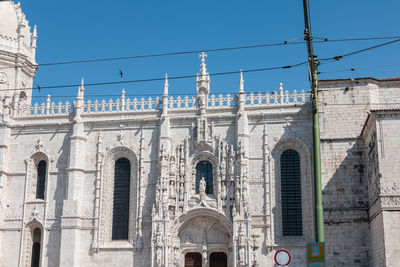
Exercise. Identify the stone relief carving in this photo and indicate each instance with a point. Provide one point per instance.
(3, 78)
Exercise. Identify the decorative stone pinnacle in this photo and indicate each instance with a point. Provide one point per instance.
(241, 83)
(123, 92)
(166, 85)
(203, 69)
(34, 32)
(81, 89)
(280, 87)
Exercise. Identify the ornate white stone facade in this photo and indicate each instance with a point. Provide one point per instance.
(242, 136)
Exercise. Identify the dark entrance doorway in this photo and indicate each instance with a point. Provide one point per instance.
(218, 259)
(193, 259)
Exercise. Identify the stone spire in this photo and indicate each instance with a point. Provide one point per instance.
(34, 40)
(241, 93)
(81, 89)
(166, 85)
(203, 84)
(241, 83)
(165, 97)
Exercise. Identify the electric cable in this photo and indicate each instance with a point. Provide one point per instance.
(325, 40)
(158, 79)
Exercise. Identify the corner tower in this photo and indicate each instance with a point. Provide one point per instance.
(17, 53)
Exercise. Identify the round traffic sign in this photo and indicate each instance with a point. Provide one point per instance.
(282, 257)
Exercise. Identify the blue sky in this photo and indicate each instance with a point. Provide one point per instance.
(75, 30)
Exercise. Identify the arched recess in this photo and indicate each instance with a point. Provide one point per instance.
(107, 195)
(198, 227)
(30, 237)
(196, 159)
(199, 212)
(306, 189)
(38, 162)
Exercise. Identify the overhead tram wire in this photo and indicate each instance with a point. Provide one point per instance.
(331, 59)
(323, 40)
(159, 79)
(359, 68)
(337, 58)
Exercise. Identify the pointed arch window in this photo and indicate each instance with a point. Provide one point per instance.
(122, 175)
(292, 222)
(37, 236)
(204, 169)
(41, 179)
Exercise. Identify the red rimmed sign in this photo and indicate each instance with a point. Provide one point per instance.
(282, 257)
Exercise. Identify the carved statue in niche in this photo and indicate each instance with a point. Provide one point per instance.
(223, 165)
(202, 188)
(202, 100)
(212, 129)
(159, 236)
(159, 257)
(165, 195)
(171, 213)
(172, 166)
(172, 189)
(223, 191)
(231, 190)
(237, 196)
(234, 210)
(245, 195)
(202, 130)
(232, 166)
(182, 168)
(241, 255)
(157, 195)
(202, 185)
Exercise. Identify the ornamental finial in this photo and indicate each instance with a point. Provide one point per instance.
(203, 69)
(166, 85)
(34, 35)
(241, 83)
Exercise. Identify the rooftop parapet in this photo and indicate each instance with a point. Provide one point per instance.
(154, 104)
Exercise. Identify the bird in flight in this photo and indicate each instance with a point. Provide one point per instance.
(121, 74)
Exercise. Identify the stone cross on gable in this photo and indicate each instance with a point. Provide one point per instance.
(203, 57)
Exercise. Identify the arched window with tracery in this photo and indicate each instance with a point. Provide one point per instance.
(120, 224)
(41, 179)
(204, 169)
(36, 240)
(292, 222)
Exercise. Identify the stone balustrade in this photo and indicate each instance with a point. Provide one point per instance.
(154, 104)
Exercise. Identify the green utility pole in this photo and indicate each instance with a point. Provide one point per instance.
(313, 71)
